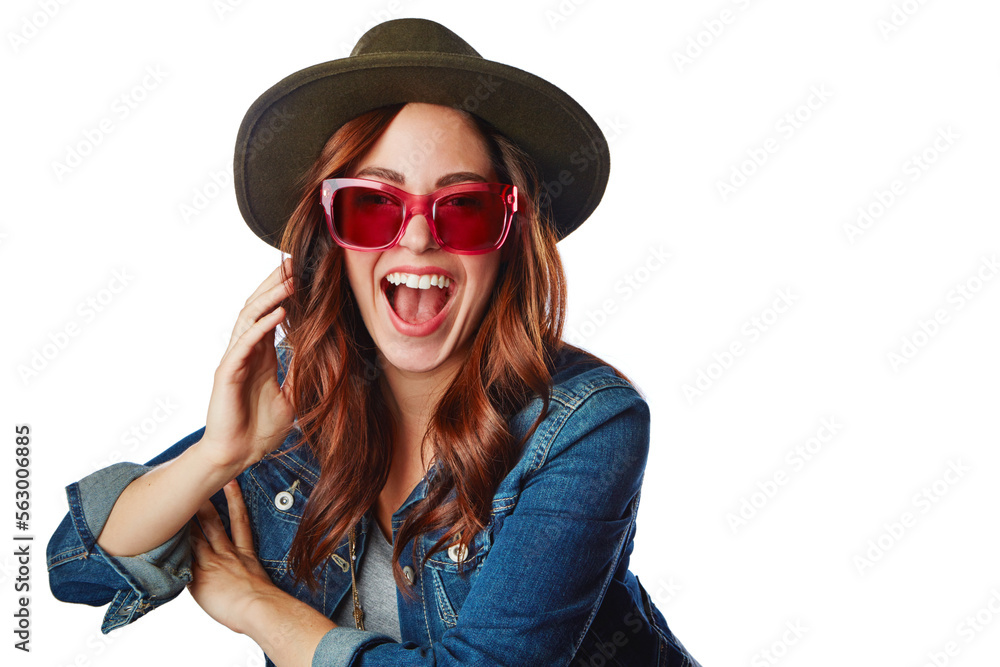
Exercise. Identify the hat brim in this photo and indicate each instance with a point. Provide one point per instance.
(285, 129)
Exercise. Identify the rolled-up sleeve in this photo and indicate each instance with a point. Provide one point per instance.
(550, 566)
(340, 645)
(81, 571)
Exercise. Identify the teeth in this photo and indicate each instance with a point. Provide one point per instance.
(425, 281)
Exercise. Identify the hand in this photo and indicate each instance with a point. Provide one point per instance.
(228, 579)
(249, 413)
(232, 587)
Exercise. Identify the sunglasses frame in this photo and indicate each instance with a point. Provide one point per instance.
(419, 205)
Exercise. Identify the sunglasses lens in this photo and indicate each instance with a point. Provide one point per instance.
(365, 217)
(471, 220)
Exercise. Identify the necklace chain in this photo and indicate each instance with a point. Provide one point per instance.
(359, 615)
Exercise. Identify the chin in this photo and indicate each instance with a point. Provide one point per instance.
(416, 360)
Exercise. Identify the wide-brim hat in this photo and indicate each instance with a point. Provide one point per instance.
(414, 60)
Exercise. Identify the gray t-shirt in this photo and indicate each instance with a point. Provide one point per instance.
(376, 589)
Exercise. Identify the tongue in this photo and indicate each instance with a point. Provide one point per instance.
(418, 305)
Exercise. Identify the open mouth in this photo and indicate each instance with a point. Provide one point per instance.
(417, 299)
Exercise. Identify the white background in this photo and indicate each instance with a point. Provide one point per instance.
(677, 130)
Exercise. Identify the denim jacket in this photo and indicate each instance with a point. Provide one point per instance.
(546, 582)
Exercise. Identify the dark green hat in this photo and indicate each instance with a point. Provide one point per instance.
(414, 60)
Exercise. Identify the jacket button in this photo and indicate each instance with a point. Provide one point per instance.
(457, 552)
(408, 573)
(284, 501)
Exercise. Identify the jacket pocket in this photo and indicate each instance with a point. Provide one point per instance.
(451, 571)
(672, 652)
(620, 634)
(275, 498)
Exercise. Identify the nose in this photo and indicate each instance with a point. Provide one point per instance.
(418, 238)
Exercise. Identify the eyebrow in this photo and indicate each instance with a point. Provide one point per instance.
(398, 179)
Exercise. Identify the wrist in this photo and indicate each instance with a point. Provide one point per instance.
(218, 467)
(284, 625)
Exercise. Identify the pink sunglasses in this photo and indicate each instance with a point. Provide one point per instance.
(466, 218)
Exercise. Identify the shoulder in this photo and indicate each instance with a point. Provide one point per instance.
(591, 407)
(578, 375)
(583, 382)
(588, 448)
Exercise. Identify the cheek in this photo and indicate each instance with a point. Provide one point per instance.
(484, 276)
(360, 272)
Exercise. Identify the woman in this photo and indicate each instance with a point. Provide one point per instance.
(421, 420)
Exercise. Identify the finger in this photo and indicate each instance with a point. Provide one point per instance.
(259, 306)
(267, 298)
(211, 525)
(200, 548)
(239, 521)
(276, 276)
(281, 278)
(239, 351)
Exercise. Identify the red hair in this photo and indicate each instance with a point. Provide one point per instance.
(333, 370)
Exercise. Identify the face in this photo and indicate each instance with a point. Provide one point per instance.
(424, 148)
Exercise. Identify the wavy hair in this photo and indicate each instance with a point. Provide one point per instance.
(334, 370)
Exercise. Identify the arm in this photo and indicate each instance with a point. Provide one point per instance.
(130, 509)
(81, 571)
(232, 587)
(158, 504)
(542, 582)
(249, 415)
(549, 566)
